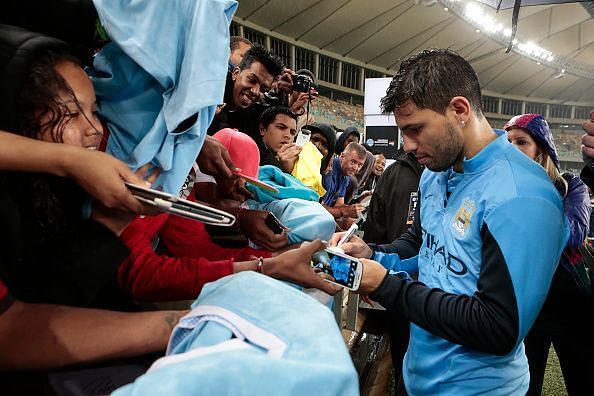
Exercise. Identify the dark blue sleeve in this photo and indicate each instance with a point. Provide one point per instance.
(408, 244)
(577, 208)
(486, 321)
(518, 259)
(531, 233)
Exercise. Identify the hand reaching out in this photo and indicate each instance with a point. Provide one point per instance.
(116, 220)
(99, 174)
(253, 224)
(214, 160)
(294, 266)
(103, 177)
(353, 210)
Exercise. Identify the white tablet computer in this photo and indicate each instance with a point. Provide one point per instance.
(181, 207)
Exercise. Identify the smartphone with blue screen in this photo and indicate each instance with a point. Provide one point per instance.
(345, 270)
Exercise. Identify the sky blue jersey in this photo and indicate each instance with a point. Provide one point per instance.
(489, 240)
(159, 84)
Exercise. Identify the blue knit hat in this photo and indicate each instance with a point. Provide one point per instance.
(538, 128)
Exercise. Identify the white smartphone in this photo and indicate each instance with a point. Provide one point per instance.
(181, 207)
(303, 137)
(345, 270)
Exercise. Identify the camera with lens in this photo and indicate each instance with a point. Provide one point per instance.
(301, 83)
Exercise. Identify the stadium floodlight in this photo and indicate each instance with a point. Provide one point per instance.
(482, 19)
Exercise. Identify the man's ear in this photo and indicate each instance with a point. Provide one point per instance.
(235, 73)
(461, 108)
(262, 129)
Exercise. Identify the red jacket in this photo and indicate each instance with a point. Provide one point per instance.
(148, 276)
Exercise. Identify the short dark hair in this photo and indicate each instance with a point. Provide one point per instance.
(270, 114)
(257, 53)
(236, 40)
(430, 79)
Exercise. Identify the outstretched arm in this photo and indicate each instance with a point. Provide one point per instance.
(36, 336)
(408, 244)
(515, 275)
(100, 174)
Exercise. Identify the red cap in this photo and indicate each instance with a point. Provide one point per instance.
(243, 150)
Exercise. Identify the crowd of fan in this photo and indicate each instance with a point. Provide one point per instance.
(337, 112)
(107, 260)
(114, 256)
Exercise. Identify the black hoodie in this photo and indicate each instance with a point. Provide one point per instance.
(389, 207)
(328, 132)
(347, 132)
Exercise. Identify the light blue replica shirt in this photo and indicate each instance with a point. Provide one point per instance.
(491, 240)
(249, 334)
(167, 64)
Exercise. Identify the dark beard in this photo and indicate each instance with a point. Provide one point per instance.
(448, 151)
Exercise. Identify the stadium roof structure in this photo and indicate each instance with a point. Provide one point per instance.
(552, 58)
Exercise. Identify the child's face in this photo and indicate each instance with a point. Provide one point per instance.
(82, 127)
(280, 131)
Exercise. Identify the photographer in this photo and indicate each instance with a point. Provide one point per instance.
(304, 93)
(260, 81)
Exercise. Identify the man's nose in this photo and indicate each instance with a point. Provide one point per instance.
(409, 145)
(255, 90)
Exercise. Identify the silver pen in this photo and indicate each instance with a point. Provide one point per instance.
(348, 234)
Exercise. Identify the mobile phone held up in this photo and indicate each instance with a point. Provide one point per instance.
(274, 224)
(302, 137)
(344, 269)
(256, 182)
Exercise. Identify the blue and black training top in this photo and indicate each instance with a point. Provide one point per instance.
(486, 245)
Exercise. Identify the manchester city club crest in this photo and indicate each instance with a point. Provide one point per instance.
(461, 221)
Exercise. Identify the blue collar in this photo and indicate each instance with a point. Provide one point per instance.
(487, 156)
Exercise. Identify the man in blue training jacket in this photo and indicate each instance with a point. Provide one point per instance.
(486, 241)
